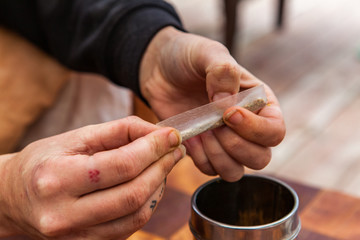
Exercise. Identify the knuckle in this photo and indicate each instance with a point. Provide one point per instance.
(228, 72)
(274, 141)
(278, 137)
(133, 119)
(156, 146)
(85, 135)
(128, 168)
(257, 134)
(215, 45)
(262, 161)
(141, 218)
(50, 225)
(234, 147)
(167, 164)
(215, 152)
(137, 197)
(204, 166)
(46, 186)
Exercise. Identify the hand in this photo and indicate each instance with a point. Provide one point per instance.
(180, 71)
(98, 182)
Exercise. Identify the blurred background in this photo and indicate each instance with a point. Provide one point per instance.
(311, 59)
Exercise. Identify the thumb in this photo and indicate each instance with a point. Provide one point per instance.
(223, 74)
(223, 80)
(212, 60)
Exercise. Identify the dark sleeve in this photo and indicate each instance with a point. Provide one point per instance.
(107, 37)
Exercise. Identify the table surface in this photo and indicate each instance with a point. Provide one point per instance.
(324, 214)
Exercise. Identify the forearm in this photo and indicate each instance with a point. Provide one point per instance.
(6, 228)
(106, 37)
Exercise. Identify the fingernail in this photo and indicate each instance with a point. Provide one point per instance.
(179, 153)
(220, 95)
(174, 138)
(234, 117)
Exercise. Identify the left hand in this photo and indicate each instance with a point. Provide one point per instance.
(180, 71)
(97, 182)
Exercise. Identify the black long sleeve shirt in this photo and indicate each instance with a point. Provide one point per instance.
(107, 37)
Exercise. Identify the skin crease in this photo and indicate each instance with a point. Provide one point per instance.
(104, 181)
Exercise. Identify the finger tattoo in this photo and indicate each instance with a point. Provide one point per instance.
(153, 205)
(94, 175)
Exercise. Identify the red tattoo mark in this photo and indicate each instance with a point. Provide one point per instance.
(94, 175)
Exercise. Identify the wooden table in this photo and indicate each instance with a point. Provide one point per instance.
(324, 214)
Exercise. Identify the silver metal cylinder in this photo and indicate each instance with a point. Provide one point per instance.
(255, 207)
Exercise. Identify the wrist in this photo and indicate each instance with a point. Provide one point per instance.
(6, 227)
(151, 60)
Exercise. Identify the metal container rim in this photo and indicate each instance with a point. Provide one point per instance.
(244, 228)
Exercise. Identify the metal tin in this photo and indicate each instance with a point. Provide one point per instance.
(255, 207)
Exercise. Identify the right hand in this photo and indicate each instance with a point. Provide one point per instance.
(97, 182)
(181, 71)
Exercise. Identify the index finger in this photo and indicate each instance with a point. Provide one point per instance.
(106, 136)
(266, 129)
(109, 168)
